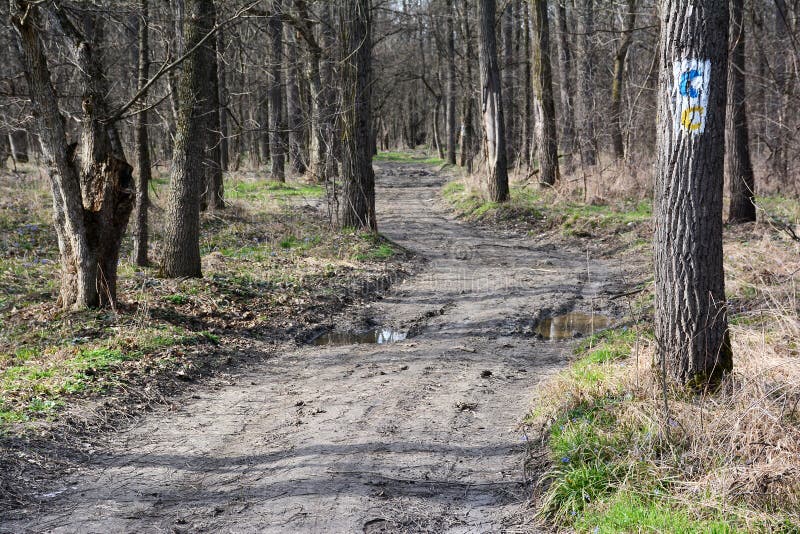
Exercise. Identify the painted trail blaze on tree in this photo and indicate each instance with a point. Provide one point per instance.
(692, 81)
(690, 321)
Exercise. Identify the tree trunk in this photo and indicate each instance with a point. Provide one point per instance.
(509, 112)
(358, 189)
(527, 84)
(18, 139)
(294, 117)
(437, 140)
(546, 135)
(214, 197)
(691, 327)
(91, 205)
(5, 149)
(619, 75)
(565, 77)
(468, 103)
(224, 150)
(492, 104)
(451, 85)
(182, 228)
(779, 103)
(140, 231)
(737, 151)
(588, 138)
(277, 127)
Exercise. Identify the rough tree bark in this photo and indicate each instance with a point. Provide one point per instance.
(546, 135)
(91, 204)
(451, 84)
(182, 228)
(358, 188)
(740, 169)
(492, 104)
(617, 142)
(140, 231)
(693, 345)
(587, 136)
(277, 126)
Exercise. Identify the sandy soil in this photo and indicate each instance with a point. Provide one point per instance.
(416, 436)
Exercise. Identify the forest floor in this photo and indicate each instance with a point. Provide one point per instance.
(420, 435)
(618, 451)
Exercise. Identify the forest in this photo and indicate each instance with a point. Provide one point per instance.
(413, 266)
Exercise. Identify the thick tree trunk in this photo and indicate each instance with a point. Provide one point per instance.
(451, 85)
(617, 142)
(358, 188)
(565, 86)
(140, 231)
(91, 205)
(277, 126)
(587, 138)
(182, 229)
(492, 104)
(737, 150)
(691, 329)
(527, 84)
(546, 135)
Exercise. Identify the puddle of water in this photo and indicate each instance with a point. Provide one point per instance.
(379, 336)
(571, 325)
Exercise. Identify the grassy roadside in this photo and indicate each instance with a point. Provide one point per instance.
(610, 454)
(272, 267)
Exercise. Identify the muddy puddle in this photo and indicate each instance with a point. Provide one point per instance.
(570, 325)
(379, 336)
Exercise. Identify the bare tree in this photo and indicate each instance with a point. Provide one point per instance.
(546, 136)
(358, 189)
(737, 150)
(277, 126)
(492, 104)
(91, 201)
(141, 230)
(621, 55)
(586, 69)
(182, 228)
(451, 84)
(691, 327)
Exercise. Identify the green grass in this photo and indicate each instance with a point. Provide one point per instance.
(608, 467)
(633, 512)
(270, 190)
(531, 204)
(408, 157)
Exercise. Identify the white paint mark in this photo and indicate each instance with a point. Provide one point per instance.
(690, 95)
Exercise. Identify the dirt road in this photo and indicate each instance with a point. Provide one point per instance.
(416, 436)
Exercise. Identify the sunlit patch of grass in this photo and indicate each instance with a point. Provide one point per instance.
(547, 209)
(408, 157)
(264, 190)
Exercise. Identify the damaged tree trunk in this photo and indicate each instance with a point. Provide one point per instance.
(92, 196)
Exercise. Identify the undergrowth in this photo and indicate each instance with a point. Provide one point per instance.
(272, 265)
(615, 459)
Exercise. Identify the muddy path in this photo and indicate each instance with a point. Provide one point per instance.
(416, 436)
